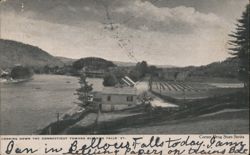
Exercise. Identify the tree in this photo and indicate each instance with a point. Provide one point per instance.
(84, 90)
(20, 72)
(109, 80)
(152, 70)
(46, 69)
(142, 68)
(134, 75)
(240, 46)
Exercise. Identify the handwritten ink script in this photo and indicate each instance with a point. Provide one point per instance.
(136, 145)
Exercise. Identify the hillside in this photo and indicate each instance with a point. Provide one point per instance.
(66, 61)
(93, 63)
(227, 69)
(70, 61)
(13, 53)
(124, 64)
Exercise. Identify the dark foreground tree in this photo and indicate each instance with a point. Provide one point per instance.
(84, 90)
(240, 46)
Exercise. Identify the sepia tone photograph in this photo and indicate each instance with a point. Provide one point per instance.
(124, 67)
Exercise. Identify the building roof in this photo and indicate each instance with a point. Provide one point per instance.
(119, 90)
(129, 80)
(126, 82)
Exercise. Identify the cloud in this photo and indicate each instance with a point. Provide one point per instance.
(59, 39)
(131, 13)
(179, 19)
(176, 36)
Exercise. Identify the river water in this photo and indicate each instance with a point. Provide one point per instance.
(28, 106)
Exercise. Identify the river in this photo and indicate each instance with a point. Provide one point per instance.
(31, 105)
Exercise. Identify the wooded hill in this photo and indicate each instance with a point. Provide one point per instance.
(93, 63)
(228, 68)
(13, 53)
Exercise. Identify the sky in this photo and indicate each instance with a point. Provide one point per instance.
(161, 32)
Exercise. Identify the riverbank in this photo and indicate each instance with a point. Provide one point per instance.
(222, 114)
(217, 115)
(87, 119)
(53, 95)
(11, 80)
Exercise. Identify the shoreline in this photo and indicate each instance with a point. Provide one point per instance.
(7, 81)
(70, 122)
(139, 118)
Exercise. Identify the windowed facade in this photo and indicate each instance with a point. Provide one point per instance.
(109, 98)
(113, 102)
(130, 98)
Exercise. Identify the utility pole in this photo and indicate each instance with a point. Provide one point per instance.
(150, 83)
(160, 87)
(97, 117)
(58, 116)
(184, 93)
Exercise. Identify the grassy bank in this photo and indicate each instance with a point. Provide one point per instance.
(187, 115)
(226, 113)
(59, 126)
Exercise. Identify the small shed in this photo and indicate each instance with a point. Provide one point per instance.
(118, 98)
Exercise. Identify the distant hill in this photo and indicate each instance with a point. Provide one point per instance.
(124, 64)
(131, 64)
(93, 63)
(227, 69)
(165, 66)
(13, 53)
(70, 61)
(66, 61)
